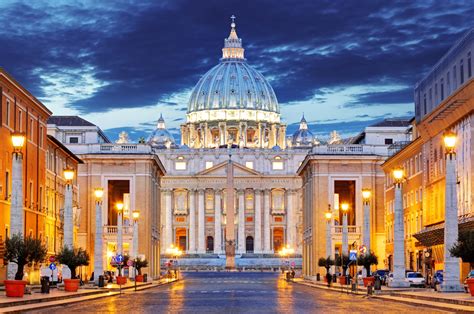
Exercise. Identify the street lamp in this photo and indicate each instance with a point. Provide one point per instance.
(398, 233)
(345, 235)
(68, 175)
(16, 201)
(98, 242)
(451, 280)
(119, 206)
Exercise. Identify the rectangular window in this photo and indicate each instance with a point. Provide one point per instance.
(40, 198)
(32, 130)
(441, 89)
(31, 195)
(73, 140)
(41, 137)
(7, 122)
(180, 165)
(7, 185)
(461, 72)
(249, 164)
(455, 83)
(388, 141)
(277, 165)
(20, 122)
(209, 164)
(436, 93)
(416, 164)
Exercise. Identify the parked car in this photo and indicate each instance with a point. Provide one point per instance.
(416, 279)
(437, 279)
(470, 275)
(383, 274)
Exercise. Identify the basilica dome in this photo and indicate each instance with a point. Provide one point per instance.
(233, 90)
(161, 137)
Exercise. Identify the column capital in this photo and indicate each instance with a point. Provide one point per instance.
(166, 190)
(266, 191)
(193, 190)
(240, 191)
(201, 190)
(218, 192)
(257, 191)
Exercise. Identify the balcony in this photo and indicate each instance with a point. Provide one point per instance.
(113, 230)
(351, 149)
(354, 233)
(110, 148)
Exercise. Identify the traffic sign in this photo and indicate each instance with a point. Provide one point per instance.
(119, 258)
(130, 262)
(362, 249)
(353, 255)
(52, 259)
(52, 266)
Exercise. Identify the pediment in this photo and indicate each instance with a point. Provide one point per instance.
(220, 170)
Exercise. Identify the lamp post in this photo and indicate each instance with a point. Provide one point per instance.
(16, 205)
(16, 202)
(398, 233)
(135, 216)
(286, 251)
(119, 207)
(99, 229)
(68, 174)
(366, 195)
(451, 280)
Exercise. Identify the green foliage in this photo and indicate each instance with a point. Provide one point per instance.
(24, 251)
(345, 261)
(367, 260)
(139, 264)
(73, 258)
(124, 263)
(464, 247)
(326, 263)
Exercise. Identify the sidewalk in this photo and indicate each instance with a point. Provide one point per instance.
(59, 296)
(415, 296)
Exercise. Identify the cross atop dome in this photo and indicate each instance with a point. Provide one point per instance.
(233, 44)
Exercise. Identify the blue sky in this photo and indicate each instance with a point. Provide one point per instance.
(119, 64)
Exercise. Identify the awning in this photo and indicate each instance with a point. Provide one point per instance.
(434, 234)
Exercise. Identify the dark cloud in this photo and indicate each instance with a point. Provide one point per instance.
(139, 53)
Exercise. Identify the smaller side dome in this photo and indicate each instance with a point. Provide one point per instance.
(303, 136)
(161, 137)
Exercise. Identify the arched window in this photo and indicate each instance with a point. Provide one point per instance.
(249, 244)
(210, 244)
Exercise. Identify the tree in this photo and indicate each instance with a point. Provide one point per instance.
(139, 264)
(464, 247)
(122, 265)
(367, 260)
(73, 258)
(345, 261)
(24, 251)
(326, 263)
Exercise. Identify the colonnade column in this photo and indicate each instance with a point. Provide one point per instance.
(241, 230)
(192, 221)
(258, 222)
(201, 223)
(169, 218)
(291, 220)
(266, 221)
(217, 223)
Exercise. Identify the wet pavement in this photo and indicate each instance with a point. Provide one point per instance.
(233, 292)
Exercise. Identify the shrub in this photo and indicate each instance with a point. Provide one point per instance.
(24, 251)
(326, 263)
(73, 258)
(367, 260)
(464, 247)
(139, 264)
(345, 261)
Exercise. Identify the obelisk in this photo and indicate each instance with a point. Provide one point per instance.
(230, 210)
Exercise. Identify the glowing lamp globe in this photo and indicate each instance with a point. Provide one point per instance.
(398, 174)
(345, 207)
(366, 194)
(68, 174)
(450, 141)
(18, 141)
(99, 192)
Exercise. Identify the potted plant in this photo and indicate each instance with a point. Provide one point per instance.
(72, 258)
(326, 263)
(368, 260)
(464, 249)
(22, 251)
(121, 280)
(139, 264)
(345, 261)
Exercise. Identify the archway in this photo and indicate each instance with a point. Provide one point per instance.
(277, 239)
(181, 239)
(249, 244)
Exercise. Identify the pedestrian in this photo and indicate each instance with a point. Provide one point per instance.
(329, 279)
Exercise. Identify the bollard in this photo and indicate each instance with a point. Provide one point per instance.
(45, 284)
(101, 282)
(378, 283)
(369, 290)
(318, 277)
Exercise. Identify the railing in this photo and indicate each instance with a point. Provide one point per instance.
(111, 148)
(113, 230)
(352, 149)
(350, 229)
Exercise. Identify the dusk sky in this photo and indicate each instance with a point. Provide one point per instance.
(119, 64)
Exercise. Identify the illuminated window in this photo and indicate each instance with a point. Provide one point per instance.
(180, 164)
(277, 164)
(209, 164)
(249, 164)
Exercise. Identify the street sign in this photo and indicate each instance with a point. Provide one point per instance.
(362, 249)
(52, 266)
(119, 258)
(52, 259)
(353, 255)
(130, 262)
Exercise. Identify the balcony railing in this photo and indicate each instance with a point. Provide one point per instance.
(111, 148)
(350, 229)
(350, 149)
(113, 230)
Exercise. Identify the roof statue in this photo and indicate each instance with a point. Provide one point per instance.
(123, 138)
(335, 138)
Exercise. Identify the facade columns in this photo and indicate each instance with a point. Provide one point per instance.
(291, 219)
(266, 221)
(192, 221)
(217, 223)
(241, 230)
(398, 241)
(169, 218)
(258, 222)
(451, 281)
(201, 223)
